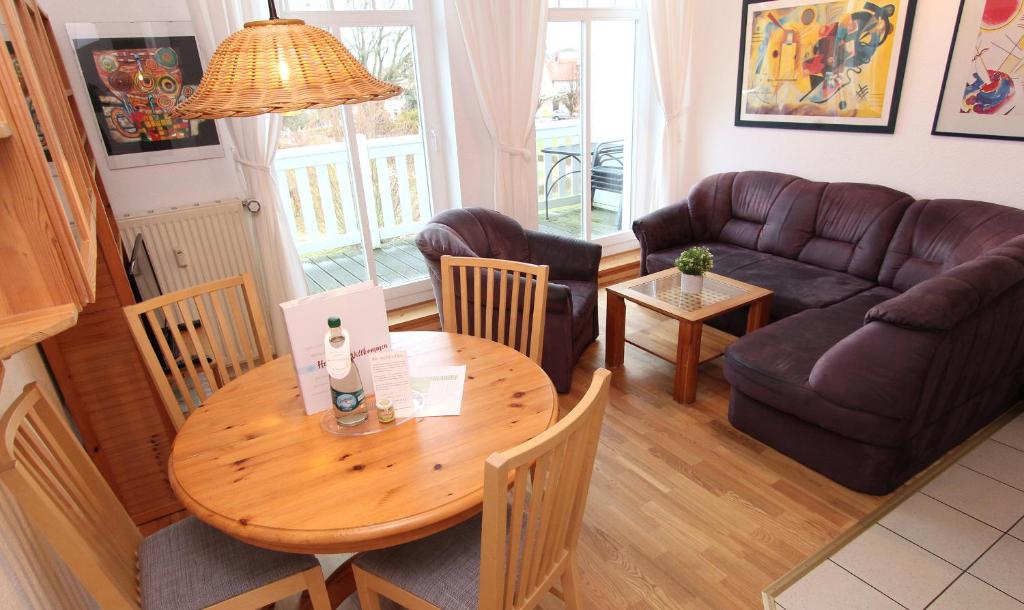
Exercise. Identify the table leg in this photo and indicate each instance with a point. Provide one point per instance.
(687, 360)
(758, 313)
(615, 331)
(340, 584)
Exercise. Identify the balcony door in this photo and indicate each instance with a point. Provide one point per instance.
(587, 101)
(359, 181)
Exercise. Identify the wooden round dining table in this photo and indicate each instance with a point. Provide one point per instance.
(252, 464)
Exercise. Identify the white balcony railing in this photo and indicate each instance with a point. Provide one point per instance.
(315, 186)
(569, 189)
(316, 189)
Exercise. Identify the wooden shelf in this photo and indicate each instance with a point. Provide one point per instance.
(26, 329)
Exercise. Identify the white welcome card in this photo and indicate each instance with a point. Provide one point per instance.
(363, 314)
(391, 379)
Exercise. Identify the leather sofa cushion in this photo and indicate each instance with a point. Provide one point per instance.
(839, 226)
(852, 228)
(799, 286)
(937, 235)
(774, 365)
(728, 258)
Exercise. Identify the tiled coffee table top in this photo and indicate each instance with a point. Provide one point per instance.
(957, 543)
(663, 292)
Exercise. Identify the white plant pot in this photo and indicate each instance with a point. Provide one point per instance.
(692, 284)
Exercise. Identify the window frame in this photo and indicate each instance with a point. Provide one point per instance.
(436, 155)
(623, 239)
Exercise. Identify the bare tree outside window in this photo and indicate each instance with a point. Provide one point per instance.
(387, 53)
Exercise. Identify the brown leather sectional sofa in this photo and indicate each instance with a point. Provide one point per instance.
(898, 324)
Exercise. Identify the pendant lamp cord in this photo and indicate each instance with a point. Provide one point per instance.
(273, 10)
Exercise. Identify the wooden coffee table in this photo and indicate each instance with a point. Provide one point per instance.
(661, 292)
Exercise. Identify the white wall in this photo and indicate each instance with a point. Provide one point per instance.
(912, 160)
(154, 187)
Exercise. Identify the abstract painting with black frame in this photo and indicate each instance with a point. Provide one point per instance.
(983, 90)
(823, 65)
(136, 73)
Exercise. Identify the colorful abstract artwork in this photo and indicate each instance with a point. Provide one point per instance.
(135, 76)
(983, 91)
(823, 65)
(142, 86)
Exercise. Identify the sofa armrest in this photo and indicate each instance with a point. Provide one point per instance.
(664, 228)
(943, 301)
(568, 258)
(937, 346)
(879, 369)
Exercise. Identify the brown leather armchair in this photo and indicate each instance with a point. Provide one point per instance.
(571, 322)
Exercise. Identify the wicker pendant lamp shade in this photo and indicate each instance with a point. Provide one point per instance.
(280, 65)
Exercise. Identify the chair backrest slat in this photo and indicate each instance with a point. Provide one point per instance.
(526, 542)
(205, 336)
(469, 301)
(59, 489)
(220, 363)
(189, 322)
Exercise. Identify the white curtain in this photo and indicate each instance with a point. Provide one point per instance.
(670, 31)
(505, 44)
(255, 143)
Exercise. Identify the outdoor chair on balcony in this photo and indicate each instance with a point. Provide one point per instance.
(571, 321)
(606, 169)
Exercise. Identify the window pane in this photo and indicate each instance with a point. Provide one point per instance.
(392, 154)
(315, 183)
(611, 122)
(349, 5)
(559, 164)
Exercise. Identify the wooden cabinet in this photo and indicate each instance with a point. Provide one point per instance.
(62, 276)
(48, 192)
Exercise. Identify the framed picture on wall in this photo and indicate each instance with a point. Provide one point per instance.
(135, 74)
(983, 91)
(823, 65)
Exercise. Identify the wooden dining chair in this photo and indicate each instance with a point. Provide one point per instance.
(195, 340)
(500, 300)
(187, 565)
(525, 542)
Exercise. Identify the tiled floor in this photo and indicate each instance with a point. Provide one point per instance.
(958, 543)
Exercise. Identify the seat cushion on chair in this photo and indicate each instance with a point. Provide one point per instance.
(190, 565)
(443, 569)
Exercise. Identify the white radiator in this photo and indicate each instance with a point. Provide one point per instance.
(198, 244)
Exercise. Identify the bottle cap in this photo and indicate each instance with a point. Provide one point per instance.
(334, 322)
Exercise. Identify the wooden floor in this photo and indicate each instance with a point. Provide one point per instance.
(685, 511)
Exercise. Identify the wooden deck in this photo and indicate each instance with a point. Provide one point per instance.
(400, 262)
(566, 220)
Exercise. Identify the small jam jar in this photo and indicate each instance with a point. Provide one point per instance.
(385, 411)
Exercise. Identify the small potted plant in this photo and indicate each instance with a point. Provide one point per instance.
(694, 263)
